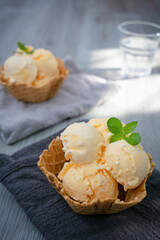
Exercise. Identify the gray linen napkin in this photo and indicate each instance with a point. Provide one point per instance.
(79, 93)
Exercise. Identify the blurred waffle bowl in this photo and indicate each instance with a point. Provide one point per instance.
(40, 90)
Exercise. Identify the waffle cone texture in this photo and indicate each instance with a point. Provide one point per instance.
(36, 93)
(51, 163)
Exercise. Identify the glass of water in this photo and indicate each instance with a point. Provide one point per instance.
(138, 44)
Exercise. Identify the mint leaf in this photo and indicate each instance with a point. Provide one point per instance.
(114, 125)
(22, 47)
(130, 127)
(116, 137)
(133, 139)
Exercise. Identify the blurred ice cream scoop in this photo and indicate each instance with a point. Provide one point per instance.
(82, 143)
(128, 164)
(85, 186)
(46, 63)
(20, 68)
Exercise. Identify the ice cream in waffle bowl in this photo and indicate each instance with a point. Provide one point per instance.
(32, 75)
(96, 170)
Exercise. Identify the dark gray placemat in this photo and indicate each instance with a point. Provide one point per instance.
(49, 212)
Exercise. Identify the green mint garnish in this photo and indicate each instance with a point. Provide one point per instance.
(133, 139)
(116, 137)
(22, 47)
(114, 125)
(130, 127)
(119, 132)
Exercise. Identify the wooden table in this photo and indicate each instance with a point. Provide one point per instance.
(86, 30)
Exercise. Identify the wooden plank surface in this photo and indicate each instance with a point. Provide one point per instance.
(86, 30)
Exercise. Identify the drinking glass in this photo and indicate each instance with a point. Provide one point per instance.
(138, 43)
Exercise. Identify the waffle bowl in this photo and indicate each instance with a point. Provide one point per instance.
(51, 163)
(40, 90)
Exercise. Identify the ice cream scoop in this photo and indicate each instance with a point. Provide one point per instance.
(101, 125)
(20, 68)
(46, 63)
(82, 143)
(84, 186)
(128, 164)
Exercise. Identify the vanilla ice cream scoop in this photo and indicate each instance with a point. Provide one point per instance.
(46, 63)
(20, 68)
(101, 125)
(82, 143)
(128, 164)
(84, 187)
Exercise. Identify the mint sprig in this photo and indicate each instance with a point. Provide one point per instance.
(23, 48)
(119, 132)
(133, 139)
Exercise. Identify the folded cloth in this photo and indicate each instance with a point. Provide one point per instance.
(49, 212)
(79, 93)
